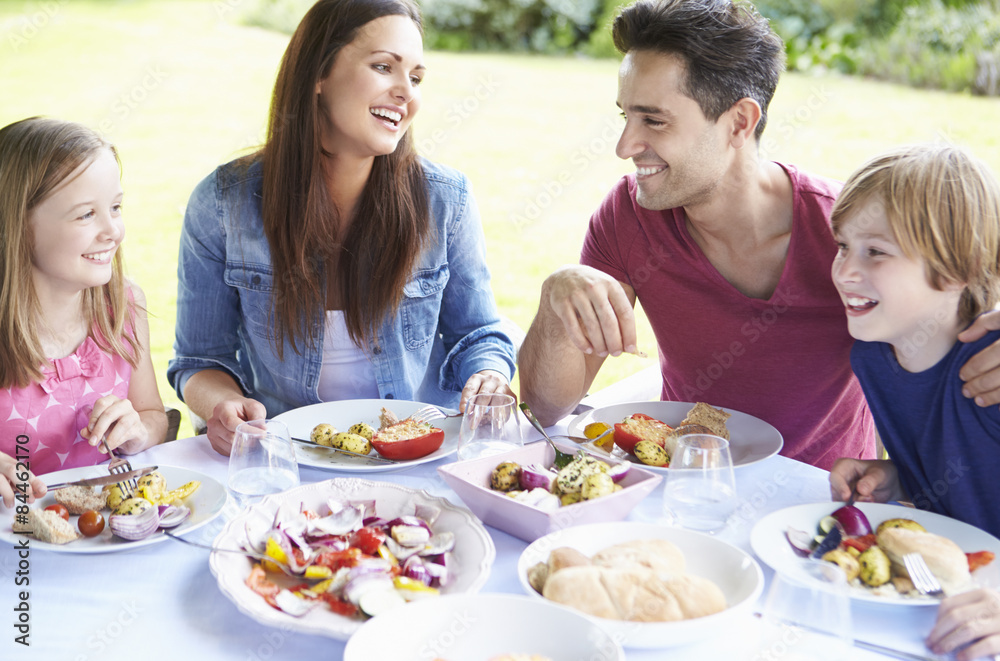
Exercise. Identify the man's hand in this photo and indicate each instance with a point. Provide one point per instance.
(981, 373)
(227, 416)
(594, 309)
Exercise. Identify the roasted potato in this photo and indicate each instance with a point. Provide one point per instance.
(651, 453)
(899, 523)
(352, 443)
(845, 561)
(362, 429)
(876, 569)
(597, 485)
(322, 434)
(506, 477)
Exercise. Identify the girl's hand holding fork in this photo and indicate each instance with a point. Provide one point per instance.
(116, 419)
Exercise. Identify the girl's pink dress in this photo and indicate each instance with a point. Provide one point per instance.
(52, 413)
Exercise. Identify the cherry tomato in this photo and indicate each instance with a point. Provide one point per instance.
(91, 523)
(60, 510)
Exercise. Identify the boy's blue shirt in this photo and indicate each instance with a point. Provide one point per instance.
(945, 447)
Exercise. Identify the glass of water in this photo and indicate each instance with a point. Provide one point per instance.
(262, 461)
(699, 491)
(490, 426)
(807, 613)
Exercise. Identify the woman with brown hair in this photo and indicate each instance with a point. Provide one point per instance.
(335, 263)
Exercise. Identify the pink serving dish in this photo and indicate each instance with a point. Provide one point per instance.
(471, 479)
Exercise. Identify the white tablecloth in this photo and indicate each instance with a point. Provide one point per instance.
(162, 602)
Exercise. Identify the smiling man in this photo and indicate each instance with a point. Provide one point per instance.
(729, 255)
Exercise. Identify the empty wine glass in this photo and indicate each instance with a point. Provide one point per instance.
(490, 426)
(699, 491)
(261, 462)
(807, 612)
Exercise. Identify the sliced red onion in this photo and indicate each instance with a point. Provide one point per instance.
(341, 520)
(410, 521)
(294, 605)
(535, 476)
(414, 568)
(135, 526)
(438, 567)
(853, 521)
(399, 551)
(802, 542)
(619, 471)
(358, 586)
(439, 543)
(427, 512)
(172, 516)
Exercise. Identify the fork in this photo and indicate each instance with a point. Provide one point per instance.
(244, 552)
(118, 466)
(431, 412)
(921, 575)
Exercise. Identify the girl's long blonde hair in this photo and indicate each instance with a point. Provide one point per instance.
(36, 156)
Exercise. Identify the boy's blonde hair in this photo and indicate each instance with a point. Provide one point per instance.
(943, 206)
(36, 157)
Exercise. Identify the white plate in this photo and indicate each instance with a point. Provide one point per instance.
(342, 415)
(750, 439)
(768, 541)
(206, 503)
(473, 554)
(735, 572)
(480, 627)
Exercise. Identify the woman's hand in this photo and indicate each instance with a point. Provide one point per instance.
(11, 474)
(874, 480)
(969, 619)
(227, 416)
(116, 420)
(487, 382)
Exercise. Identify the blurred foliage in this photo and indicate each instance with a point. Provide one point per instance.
(925, 43)
(540, 26)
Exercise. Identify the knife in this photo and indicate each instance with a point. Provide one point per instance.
(106, 479)
(371, 457)
(863, 644)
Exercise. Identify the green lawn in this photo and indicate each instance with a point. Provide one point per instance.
(179, 89)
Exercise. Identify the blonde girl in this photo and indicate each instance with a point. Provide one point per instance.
(75, 368)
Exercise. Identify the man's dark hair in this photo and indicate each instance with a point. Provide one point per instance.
(730, 50)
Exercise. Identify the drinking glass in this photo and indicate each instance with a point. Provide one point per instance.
(490, 426)
(262, 461)
(699, 490)
(807, 613)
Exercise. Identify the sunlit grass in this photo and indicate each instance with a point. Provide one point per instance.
(179, 89)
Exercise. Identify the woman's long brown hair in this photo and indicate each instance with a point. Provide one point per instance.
(300, 220)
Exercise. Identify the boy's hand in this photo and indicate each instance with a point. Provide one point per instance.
(874, 480)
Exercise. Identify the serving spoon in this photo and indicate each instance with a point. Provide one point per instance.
(562, 458)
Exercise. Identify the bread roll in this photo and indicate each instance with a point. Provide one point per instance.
(78, 499)
(634, 593)
(708, 416)
(659, 555)
(943, 557)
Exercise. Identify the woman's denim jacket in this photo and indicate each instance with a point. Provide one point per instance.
(446, 329)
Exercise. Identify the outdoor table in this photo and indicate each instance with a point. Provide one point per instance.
(162, 602)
